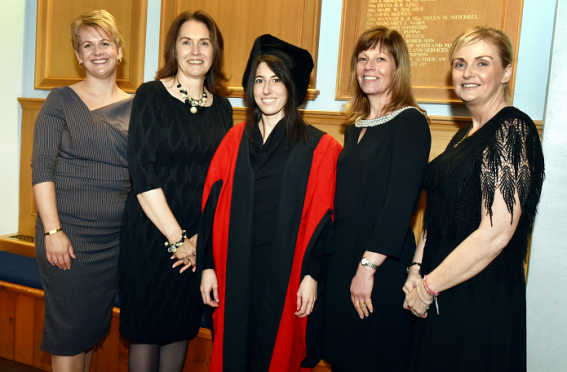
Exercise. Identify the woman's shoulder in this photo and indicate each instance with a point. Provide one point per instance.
(152, 87)
(411, 120)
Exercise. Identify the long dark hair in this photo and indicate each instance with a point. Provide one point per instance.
(215, 80)
(295, 127)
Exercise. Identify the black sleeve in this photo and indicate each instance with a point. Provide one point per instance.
(513, 163)
(411, 146)
(143, 138)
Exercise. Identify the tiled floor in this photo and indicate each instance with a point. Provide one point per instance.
(10, 366)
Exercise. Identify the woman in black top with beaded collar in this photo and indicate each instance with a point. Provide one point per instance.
(482, 194)
(172, 139)
(379, 176)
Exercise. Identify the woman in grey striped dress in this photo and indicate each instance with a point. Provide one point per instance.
(80, 184)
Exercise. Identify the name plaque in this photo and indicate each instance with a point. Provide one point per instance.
(428, 27)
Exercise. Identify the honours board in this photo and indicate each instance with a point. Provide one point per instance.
(428, 27)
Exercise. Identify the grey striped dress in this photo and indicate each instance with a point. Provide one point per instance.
(84, 153)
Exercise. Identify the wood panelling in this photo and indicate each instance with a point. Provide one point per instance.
(428, 28)
(242, 21)
(21, 327)
(55, 61)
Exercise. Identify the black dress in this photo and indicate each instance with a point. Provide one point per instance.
(168, 148)
(482, 321)
(378, 187)
(83, 153)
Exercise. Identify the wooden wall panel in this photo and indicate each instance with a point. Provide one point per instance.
(241, 21)
(428, 27)
(56, 64)
(7, 310)
(21, 326)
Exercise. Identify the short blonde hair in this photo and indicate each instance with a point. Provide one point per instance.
(98, 19)
(493, 36)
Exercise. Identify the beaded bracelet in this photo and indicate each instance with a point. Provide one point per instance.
(172, 247)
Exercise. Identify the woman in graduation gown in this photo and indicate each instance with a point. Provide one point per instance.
(267, 198)
(379, 177)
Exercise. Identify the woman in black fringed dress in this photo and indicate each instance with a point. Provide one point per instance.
(482, 194)
(379, 177)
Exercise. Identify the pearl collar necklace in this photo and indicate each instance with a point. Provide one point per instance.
(381, 120)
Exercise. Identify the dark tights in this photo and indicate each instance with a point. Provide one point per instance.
(157, 358)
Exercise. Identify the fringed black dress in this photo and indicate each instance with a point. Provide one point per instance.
(482, 322)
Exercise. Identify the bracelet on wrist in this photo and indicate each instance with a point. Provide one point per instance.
(431, 293)
(413, 264)
(51, 232)
(422, 300)
(172, 247)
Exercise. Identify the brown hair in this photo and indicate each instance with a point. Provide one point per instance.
(392, 43)
(295, 126)
(215, 80)
(491, 35)
(98, 19)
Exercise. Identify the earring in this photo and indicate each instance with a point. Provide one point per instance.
(120, 61)
(81, 65)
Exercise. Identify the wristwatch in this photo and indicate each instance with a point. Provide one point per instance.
(366, 262)
(413, 263)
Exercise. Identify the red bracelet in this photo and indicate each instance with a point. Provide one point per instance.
(429, 289)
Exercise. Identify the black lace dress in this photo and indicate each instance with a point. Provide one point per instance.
(482, 321)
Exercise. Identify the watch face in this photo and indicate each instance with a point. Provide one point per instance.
(364, 261)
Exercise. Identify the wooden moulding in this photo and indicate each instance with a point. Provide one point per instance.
(242, 21)
(55, 61)
(429, 27)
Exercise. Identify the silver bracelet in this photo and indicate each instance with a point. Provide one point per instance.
(422, 300)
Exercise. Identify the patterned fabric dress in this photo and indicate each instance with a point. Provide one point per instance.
(84, 153)
(168, 148)
(482, 322)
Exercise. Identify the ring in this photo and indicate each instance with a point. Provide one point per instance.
(195, 256)
(362, 303)
(416, 314)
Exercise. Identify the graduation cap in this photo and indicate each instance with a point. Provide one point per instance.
(298, 60)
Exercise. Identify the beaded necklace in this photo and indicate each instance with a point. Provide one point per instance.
(196, 105)
(381, 120)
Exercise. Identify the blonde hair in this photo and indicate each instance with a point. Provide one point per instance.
(392, 43)
(98, 19)
(491, 35)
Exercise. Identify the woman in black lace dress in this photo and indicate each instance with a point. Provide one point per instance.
(482, 194)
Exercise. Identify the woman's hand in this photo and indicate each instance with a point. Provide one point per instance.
(412, 281)
(363, 283)
(361, 290)
(209, 283)
(306, 296)
(186, 254)
(415, 304)
(58, 250)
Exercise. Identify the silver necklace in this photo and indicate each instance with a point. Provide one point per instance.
(381, 120)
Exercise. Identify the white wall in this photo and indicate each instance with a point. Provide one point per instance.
(547, 299)
(12, 24)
